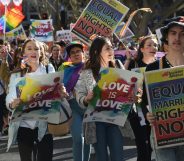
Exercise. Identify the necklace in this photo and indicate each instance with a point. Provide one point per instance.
(168, 63)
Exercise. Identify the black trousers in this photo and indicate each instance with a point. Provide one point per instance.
(1, 118)
(26, 142)
(142, 137)
(2, 110)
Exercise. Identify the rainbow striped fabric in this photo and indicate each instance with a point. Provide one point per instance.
(13, 18)
(71, 74)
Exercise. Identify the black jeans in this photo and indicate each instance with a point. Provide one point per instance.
(142, 137)
(27, 138)
(2, 110)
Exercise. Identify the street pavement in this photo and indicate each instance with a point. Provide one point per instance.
(63, 150)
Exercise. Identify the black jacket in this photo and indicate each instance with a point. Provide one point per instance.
(159, 64)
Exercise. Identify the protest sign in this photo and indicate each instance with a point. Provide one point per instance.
(41, 30)
(64, 35)
(121, 54)
(100, 17)
(113, 96)
(139, 70)
(165, 89)
(160, 54)
(138, 105)
(17, 33)
(159, 35)
(128, 33)
(74, 37)
(41, 99)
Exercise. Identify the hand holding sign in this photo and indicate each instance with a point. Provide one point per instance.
(63, 91)
(89, 97)
(15, 103)
(150, 118)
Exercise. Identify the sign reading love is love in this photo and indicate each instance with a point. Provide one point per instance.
(113, 96)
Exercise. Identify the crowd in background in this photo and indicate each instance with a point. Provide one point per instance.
(33, 57)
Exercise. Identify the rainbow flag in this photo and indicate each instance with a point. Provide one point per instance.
(18, 32)
(71, 74)
(8, 27)
(14, 17)
(1, 24)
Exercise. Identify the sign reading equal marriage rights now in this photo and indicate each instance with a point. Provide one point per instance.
(165, 89)
(100, 17)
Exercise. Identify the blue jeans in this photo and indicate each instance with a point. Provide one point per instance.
(170, 154)
(81, 151)
(108, 135)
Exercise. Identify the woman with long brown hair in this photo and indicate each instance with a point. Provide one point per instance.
(27, 132)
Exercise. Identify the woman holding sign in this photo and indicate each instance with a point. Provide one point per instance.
(148, 47)
(28, 132)
(4, 78)
(101, 134)
(173, 36)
